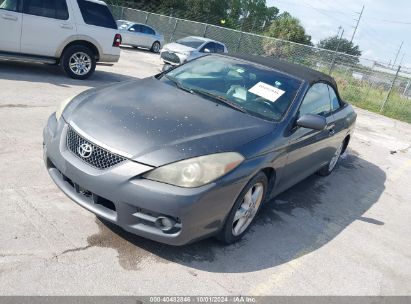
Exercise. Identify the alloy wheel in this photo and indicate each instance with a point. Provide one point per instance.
(248, 209)
(335, 158)
(156, 47)
(80, 63)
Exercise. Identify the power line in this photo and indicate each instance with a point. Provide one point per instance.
(392, 21)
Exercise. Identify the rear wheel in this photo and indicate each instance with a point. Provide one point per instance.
(328, 168)
(78, 62)
(155, 48)
(245, 209)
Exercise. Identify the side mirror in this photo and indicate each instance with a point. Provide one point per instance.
(207, 51)
(166, 67)
(131, 29)
(311, 121)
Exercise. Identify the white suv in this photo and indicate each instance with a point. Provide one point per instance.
(73, 33)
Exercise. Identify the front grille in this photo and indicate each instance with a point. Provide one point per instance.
(170, 57)
(96, 157)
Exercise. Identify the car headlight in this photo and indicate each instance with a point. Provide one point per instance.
(62, 106)
(196, 172)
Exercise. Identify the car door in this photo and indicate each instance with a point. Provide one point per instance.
(308, 150)
(148, 35)
(10, 25)
(133, 36)
(46, 25)
(339, 118)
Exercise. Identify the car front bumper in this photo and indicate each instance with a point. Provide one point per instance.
(121, 196)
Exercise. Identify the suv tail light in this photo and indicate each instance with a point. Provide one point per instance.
(117, 40)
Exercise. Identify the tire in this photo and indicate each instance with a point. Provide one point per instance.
(78, 62)
(155, 48)
(330, 166)
(231, 232)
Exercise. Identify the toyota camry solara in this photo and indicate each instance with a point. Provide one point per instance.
(196, 151)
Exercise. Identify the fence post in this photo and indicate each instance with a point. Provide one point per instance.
(174, 30)
(239, 42)
(406, 88)
(205, 30)
(390, 90)
(122, 13)
(335, 53)
(370, 81)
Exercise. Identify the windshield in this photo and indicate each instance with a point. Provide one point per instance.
(249, 87)
(191, 42)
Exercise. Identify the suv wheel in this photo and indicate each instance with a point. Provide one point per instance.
(155, 48)
(245, 209)
(78, 62)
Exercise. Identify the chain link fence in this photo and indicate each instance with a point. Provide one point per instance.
(366, 83)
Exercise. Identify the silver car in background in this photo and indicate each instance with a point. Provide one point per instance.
(140, 35)
(189, 48)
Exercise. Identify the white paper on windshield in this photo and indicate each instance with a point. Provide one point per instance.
(266, 91)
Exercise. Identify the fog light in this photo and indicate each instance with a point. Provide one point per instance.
(165, 223)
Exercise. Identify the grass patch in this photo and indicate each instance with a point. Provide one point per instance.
(370, 97)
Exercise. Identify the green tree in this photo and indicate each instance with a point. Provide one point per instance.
(287, 27)
(344, 47)
(250, 15)
(285, 30)
(210, 11)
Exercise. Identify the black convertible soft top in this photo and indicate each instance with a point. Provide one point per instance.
(299, 71)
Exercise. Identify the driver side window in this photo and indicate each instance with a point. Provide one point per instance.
(316, 101)
(335, 103)
(209, 46)
(135, 28)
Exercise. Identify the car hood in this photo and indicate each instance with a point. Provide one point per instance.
(155, 123)
(178, 48)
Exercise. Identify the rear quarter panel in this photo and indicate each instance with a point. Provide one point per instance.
(102, 37)
(345, 120)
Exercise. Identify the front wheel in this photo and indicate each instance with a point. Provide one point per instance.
(155, 48)
(328, 168)
(78, 62)
(245, 209)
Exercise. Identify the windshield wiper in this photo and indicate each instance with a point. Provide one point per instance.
(178, 84)
(221, 99)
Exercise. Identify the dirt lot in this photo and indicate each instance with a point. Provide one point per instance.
(348, 233)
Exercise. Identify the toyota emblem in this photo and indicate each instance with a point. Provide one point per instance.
(85, 150)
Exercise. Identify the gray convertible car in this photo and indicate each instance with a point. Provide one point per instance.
(195, 151)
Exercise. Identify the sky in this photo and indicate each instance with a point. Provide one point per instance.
(383, 26)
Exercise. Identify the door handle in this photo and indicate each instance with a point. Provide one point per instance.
(9, 17)
(66, 26)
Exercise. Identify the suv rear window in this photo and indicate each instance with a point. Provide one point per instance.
(96, 14)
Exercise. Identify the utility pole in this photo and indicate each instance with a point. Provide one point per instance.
(396, 56)
(390, 90)
(339, 29)
(358, 22)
